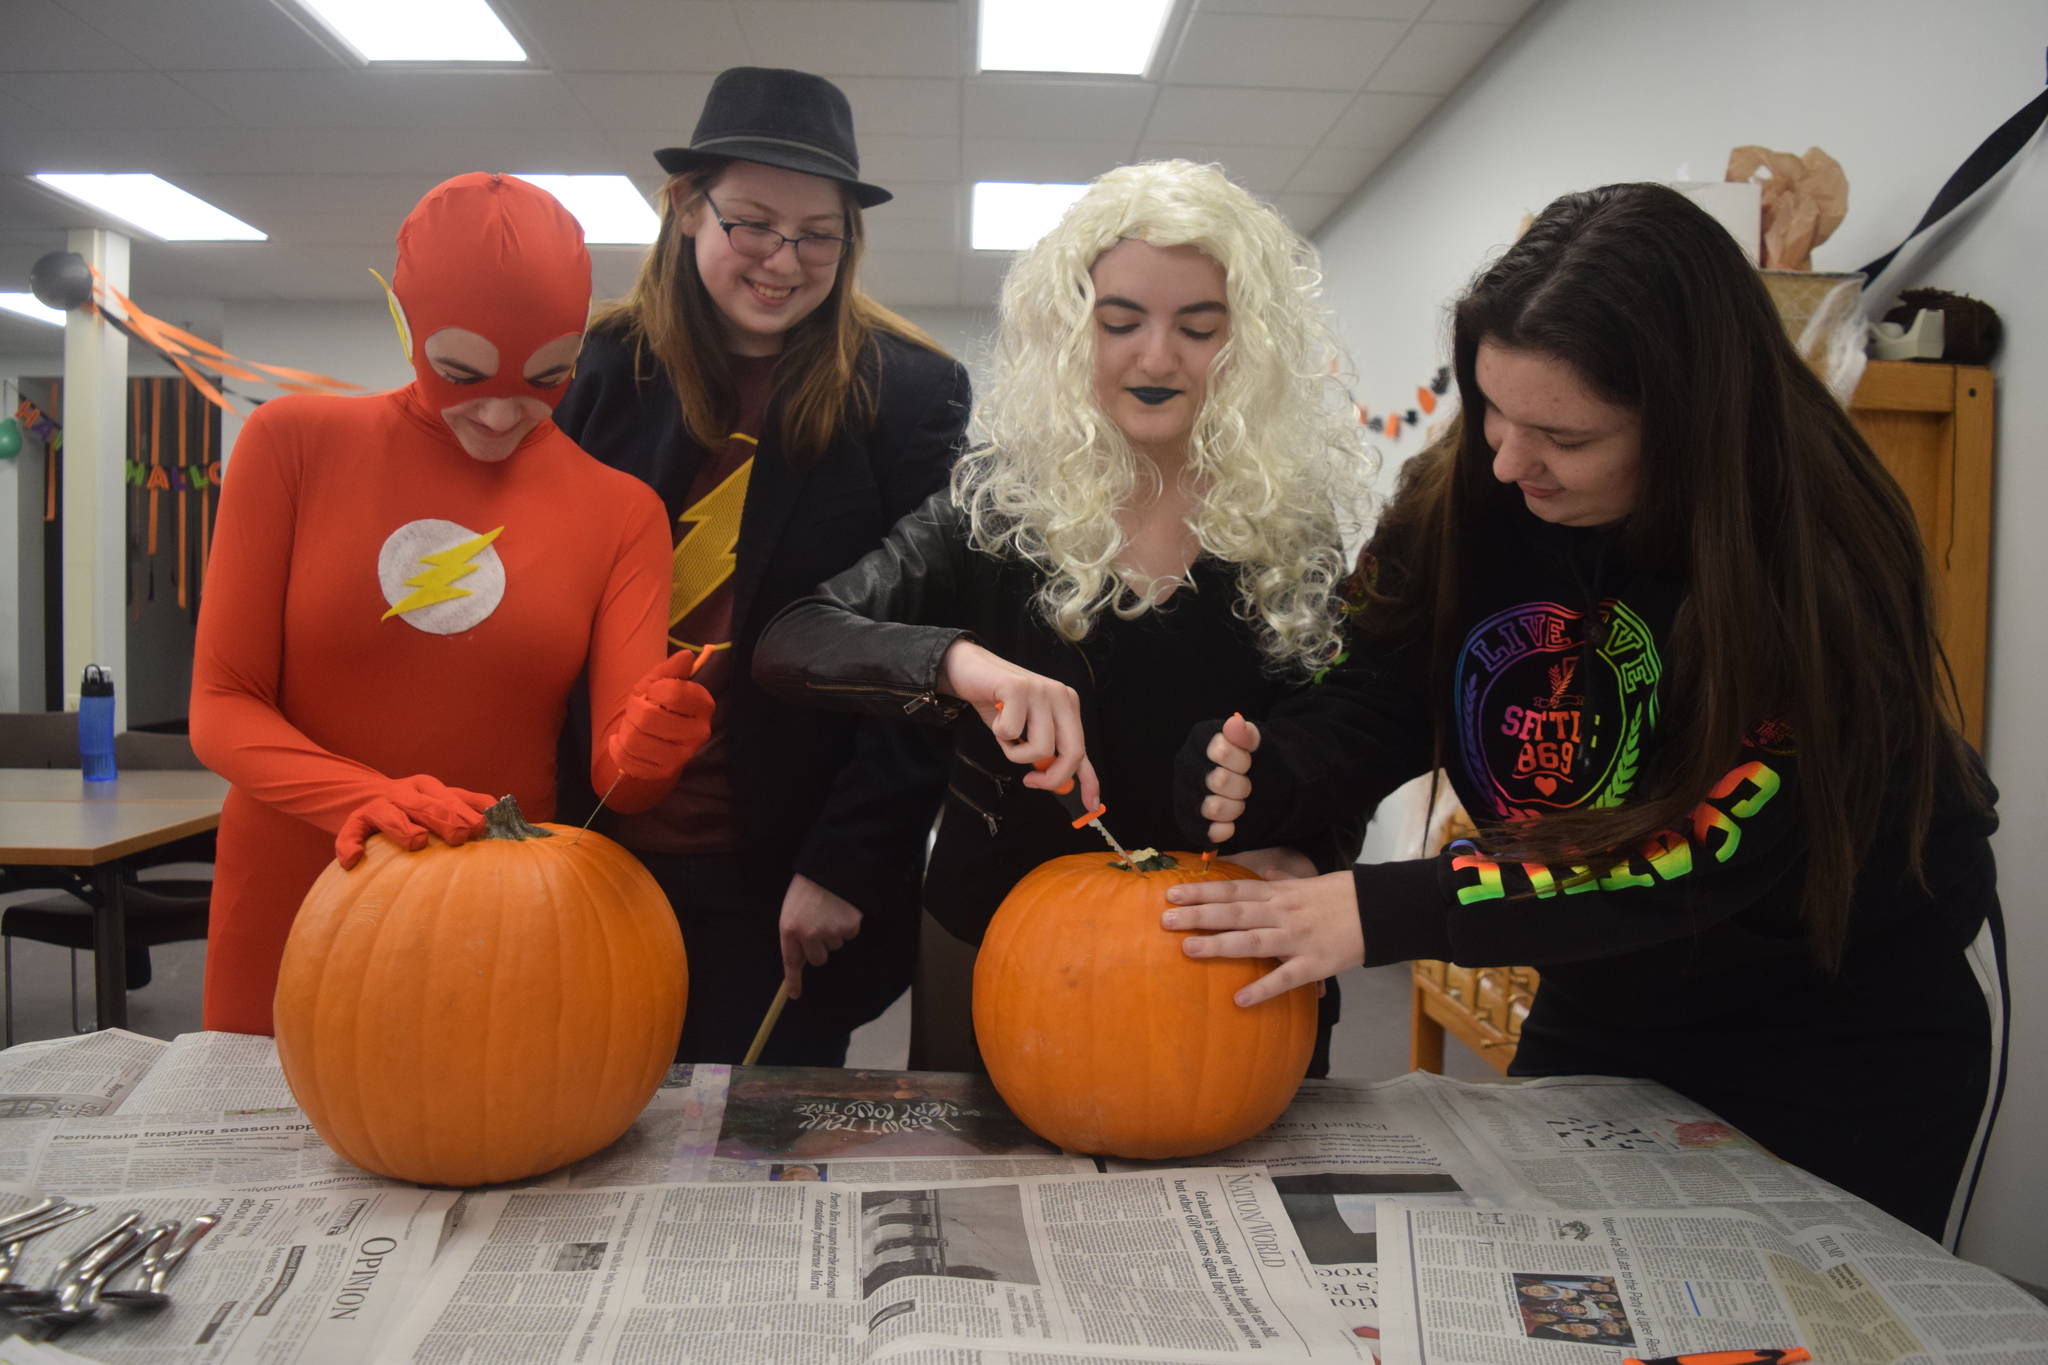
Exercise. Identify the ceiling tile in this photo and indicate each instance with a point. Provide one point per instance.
(885, 160)
(1285, 51)
(1336, 170)
(902, 106)
(631, 35)
(1376, 119)
(387, 198)
(1339, 9)
(922, 200)
(220, 35)
(640, 100)
(41, 36)
(437, 153)
(415, 101)
(1259, 118)
(1307, 212)
(1435, 57)
(911, 278)
(892, 233)
(872, 38)
(981, 277)
(1262, 170)
(135, 99)
(1041, 162)
(1479, 11)
(613, 270)
(1024, 107)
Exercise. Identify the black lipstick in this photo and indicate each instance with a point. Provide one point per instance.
(1153, 396)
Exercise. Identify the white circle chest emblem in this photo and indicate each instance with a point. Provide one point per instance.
(439, 576)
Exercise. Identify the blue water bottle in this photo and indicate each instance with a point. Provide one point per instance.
(96, 724)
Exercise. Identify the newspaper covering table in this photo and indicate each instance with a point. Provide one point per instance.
(791, 1215)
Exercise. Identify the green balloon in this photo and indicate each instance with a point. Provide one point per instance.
(10, 438)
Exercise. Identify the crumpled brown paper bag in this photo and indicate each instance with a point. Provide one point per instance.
(1805, 199)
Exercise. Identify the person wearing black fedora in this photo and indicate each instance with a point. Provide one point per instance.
(787, 420)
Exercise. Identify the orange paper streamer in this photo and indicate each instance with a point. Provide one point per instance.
(158, 480)
(182, 551)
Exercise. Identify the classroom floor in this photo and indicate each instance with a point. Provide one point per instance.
(1371, 1038)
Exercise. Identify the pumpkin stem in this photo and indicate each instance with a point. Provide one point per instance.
(1147, 860)
(503, 821)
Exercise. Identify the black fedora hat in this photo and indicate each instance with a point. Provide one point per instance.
(790, 119)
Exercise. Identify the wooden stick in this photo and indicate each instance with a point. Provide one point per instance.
(767, 1024)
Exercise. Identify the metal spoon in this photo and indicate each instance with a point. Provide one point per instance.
(17, 1242)
(79, 1263)
(158, 1264)
(31, 1214)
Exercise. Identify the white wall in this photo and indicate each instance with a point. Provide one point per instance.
(1591, 91)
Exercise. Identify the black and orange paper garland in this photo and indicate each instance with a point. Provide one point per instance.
(1426, 395)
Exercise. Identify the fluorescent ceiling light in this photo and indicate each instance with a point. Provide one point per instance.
(609, 207)
(1010, 216)
(29, 306)
(1113, 36)
(418, 30)
(156, 206)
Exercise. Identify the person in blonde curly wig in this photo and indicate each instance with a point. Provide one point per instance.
(1272, 464)
(1151, 535)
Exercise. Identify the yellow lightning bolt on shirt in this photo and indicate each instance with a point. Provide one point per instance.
(704, 556)
(437, 583)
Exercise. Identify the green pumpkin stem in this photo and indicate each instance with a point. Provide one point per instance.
(503, 821)
(1155, 862)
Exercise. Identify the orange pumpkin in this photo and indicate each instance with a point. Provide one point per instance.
(1103, 1036)
(463, 1016)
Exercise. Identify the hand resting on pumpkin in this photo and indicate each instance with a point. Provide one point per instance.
(407, 811)
(667, 720)
(1032, 717)
(1309, 923)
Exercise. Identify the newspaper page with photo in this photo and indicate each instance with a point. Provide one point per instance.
(1172, 1265)
(876, 1127)
(1520, 1287)
(1335, 1152)
(285, 1279)
(1607, 1142)
(75, 1077)
(278, 1149)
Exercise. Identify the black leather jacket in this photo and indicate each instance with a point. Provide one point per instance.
(873, 638)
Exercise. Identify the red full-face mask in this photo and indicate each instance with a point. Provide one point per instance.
(502, 259)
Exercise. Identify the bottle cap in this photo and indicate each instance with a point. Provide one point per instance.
(98, 682)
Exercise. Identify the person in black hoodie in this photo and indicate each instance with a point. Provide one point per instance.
(1664, 619)
(1153, 528)
(787, 420)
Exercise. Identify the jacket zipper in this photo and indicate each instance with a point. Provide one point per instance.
(953, 789)
(914, 702)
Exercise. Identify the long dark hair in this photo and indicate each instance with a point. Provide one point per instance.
(1806, 598)
(818, 380)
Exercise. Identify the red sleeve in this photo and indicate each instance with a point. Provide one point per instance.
(628, 640)
(238, 729)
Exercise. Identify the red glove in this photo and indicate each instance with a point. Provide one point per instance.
(410, 809)
(667, 720)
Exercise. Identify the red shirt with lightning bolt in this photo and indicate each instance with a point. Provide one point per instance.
(379, 604)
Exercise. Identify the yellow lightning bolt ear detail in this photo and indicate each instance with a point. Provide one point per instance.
(704, 556)
(397, 317)
(437, 582)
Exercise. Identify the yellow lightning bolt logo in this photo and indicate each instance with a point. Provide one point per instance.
(437, 583)
(704, 556)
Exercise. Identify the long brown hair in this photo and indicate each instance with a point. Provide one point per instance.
(1805, 596)
(819, 383)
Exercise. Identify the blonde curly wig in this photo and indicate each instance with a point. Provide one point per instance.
(1275, 452)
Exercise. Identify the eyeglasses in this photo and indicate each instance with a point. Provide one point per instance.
(757, 242)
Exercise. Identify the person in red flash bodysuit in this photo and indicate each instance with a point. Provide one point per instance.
(405, 586)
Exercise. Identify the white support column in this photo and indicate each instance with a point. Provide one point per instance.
(95, 421)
